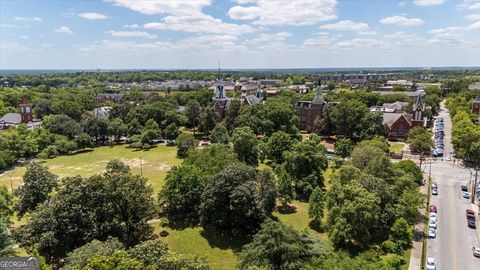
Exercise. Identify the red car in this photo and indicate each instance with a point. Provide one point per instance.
(433, 208)
(470, 214)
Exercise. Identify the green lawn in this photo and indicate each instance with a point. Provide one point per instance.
(396, 147)
(153, 163)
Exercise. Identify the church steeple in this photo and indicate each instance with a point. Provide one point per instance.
(219, 93)
(318, 98)
(259, 93)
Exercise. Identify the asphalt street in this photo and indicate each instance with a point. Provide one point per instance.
(452, 247)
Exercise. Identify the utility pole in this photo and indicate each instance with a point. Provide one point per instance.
(11, 183)
(141, 167)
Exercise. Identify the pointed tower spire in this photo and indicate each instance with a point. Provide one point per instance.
(318, 99)
(259, 93)
(219, 93)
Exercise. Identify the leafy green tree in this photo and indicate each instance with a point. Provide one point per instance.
(117, 128)
(233, 111)
(208, 120)
(181, 193)
(268, 190)
(352, 216)
(95, 127)
(211, 160)
(343, 147)
(408, 166)
(171, 131)
(38, 184)
(231, 201)
(184, 262)
(277, 144)
(62, 124)
(219, 134)
(305, 163)
(78, 258)
(84, 141)
(245, 145)
(5, 215)
(363, 154)
(118, 261)
(192, 110)
(377, 141)
(316, 204)
(408, 204)
(276, 246)
(347, 117)
(420, 140)
(114, 204)
(149, 253)
(401, 233)
(185, 143)
(286, 192)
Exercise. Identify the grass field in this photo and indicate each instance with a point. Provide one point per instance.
(396, 147)
(153, 164)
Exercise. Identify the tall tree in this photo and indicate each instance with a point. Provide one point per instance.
(286, 192)
(277, 144)
(5, 215)
(185, 143)
(219, 134)
(232, 203)
(192, 110)
(276, 246)
(38, 184)
(316, 204)
(245, 145)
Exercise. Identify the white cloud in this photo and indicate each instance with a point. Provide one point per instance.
(322, 39)
(92, 16)
(132, 26)
(473, 17)
(6, 25)
(299, 12)
(63, 30)
(346, 25)
(474, 26)
(403, 38)
(183, 15)
(401, 20)
(363, 43)
(199, 23)
(28, 19)
(470, 5)
(152, 7)
(452, 35)
(132, 34)
(428, 2)
(267, 38)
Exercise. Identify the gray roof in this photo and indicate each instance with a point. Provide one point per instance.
(252, 100)
(390, 118)
(12, 118)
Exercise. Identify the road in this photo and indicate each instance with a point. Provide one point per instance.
(452, 248)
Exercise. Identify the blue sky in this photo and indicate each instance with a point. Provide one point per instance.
(113, 34)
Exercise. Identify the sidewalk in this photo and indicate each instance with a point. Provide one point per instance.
(417, 245)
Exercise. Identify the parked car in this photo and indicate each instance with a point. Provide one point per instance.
(431, 264)
(432, 224)
(464, 187)
(434, 191)
(466, 195)
(476, 251)
(470, 214)
(434, 185)
(432, 233)
(471, 223)
(433, 208)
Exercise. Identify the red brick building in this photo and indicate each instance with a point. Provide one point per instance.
(476, 106)
(309, 111)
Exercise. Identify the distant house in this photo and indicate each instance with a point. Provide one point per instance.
(101, 112)
(474, 86)
(396, 107)
(114, 97)
(24, 117)
(476, 106)
(252, 99)
(398, 122)
(398, 125)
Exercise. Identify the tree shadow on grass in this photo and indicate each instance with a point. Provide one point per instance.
(287, 209)
(225, 241)
(182, 223)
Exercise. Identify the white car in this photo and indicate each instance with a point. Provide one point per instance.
(432, 223)
(433, 216)
(449, 158)
(466, 195)
(431, 264)
(434, 191)
(432, 233)
(434, 185)
(476, 252)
